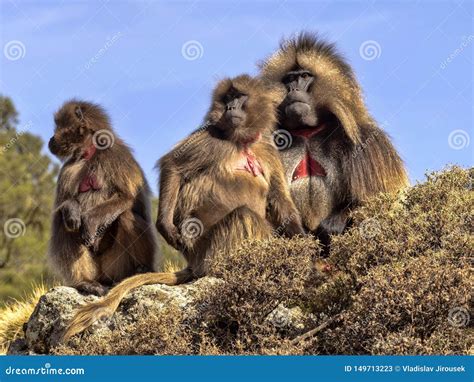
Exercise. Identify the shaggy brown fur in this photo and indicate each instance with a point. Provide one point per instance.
(216, 188)
(354, 157)
(102, 230)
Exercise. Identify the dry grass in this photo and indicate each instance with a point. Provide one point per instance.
(172, 266)
(15, 314)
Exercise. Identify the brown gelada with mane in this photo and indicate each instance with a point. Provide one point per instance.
(335, 155)
(102, 230)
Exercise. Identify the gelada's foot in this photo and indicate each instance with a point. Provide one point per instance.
(92, 287)
(143, 269)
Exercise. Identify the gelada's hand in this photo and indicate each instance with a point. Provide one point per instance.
(169, 232)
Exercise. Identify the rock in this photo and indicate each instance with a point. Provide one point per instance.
(55, 309)
(291, 319)
(19, 347)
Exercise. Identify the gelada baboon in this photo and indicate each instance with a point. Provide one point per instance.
(217, 188)
(102, 231)
(335, 156)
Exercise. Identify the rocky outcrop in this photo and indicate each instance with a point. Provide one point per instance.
(49, 319)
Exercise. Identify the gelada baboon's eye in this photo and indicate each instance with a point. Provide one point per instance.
(287, 79)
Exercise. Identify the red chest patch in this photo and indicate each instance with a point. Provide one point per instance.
(308, 166)
(253, 165)
(89, 182)
(250, 163)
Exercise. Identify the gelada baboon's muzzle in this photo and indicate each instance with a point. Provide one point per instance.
(53, 146)
(234, 112)
(298, 105)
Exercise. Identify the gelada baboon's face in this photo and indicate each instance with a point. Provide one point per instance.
(70, 130)
(76, 123)
(298, 107)
(235, 114)
(241, 109)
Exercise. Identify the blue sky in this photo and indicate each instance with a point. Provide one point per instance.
(131, 57)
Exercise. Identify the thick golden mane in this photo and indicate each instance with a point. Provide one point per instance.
(336, 87)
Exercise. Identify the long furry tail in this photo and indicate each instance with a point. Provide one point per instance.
(105, 307)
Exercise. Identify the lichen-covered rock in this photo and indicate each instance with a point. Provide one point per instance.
(50, 317)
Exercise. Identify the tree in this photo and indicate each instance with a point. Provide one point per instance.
(8, 113)
(27, 185)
